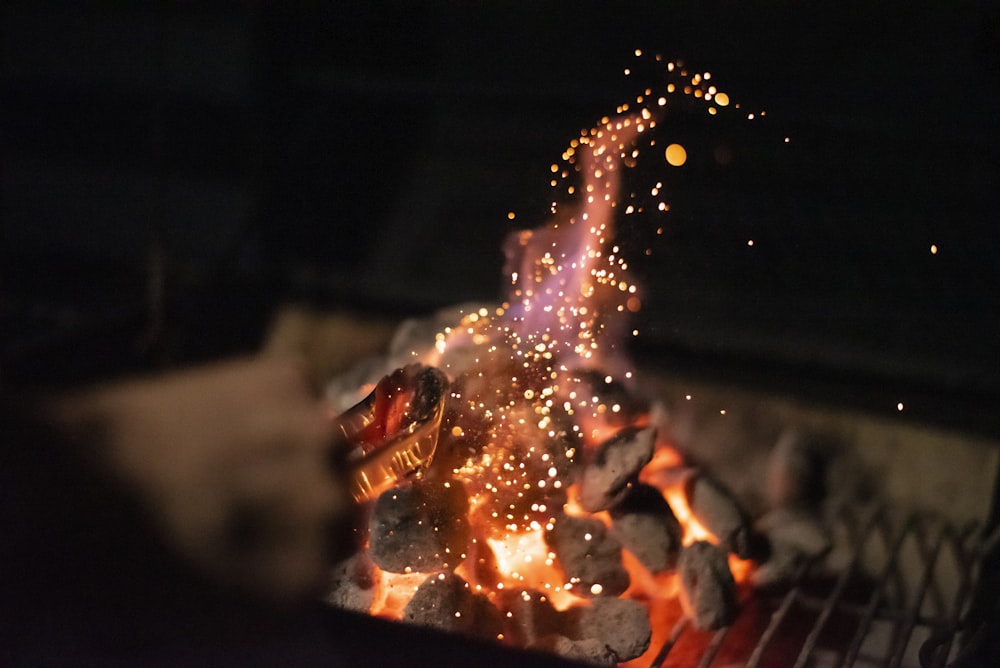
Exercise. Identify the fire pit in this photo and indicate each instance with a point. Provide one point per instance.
(874, 574)
(570, 508)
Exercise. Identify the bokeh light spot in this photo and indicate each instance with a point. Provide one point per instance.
(676, 155)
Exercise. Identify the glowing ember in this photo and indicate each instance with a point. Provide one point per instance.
(540, 386)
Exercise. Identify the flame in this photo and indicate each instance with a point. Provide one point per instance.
(393, 591)
(522, 410)
(693, 529)
(525, 562)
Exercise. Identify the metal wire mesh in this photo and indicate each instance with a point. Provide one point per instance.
(895, 592)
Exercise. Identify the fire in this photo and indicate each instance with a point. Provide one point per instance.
(693, 529)
(525, 562)
(393, 591)
(534, 381)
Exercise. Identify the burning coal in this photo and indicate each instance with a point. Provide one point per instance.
(553, 511)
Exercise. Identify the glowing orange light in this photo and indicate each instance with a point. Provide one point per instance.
(693, 529)
(569, 287)
(676, 155)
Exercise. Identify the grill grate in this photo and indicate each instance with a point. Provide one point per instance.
(896, 591)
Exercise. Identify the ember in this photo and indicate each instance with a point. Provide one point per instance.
(531, 524)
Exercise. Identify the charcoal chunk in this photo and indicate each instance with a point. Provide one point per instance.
(795, 536)
(617, 462)
(445, 601)
(797, 469)
(610, 391)
(530, 615)
(708, 590)
(420, 527)
(647, 527)
(589, 651)
(352, 583)
(719, 511)
(590, 557)
(622, 625)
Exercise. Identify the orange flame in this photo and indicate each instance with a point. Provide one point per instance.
(568, 300)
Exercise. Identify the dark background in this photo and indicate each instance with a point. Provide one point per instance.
(173, 171)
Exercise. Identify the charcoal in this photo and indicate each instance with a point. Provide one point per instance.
(708, 590)
(719, 512)
(590, 557)
(797, 469)
(800, 530)
(622, 625)
(604, 480)
(445, 601)
(420, 527)
(647, 527)
(482, 561)
(530, 615)
(516, 473)
(611, 392)
(590, 651)
(352, 583)
(796, 536)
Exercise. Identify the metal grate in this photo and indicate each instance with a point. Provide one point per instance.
(896, 593)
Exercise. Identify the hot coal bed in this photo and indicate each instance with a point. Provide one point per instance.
(688, 534)
(549, 497)
(867, 537)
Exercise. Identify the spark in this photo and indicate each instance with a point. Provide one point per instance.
(676, 155)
